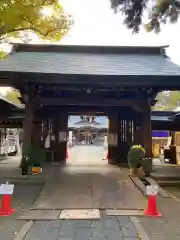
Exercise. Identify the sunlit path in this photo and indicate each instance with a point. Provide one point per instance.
(89, 182)
(87, 155)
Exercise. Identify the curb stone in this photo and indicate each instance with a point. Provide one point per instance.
(141, 231)
(24, 230)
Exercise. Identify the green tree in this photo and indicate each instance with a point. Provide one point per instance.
(160, 11)
(17, 16)
(174, 99)
(167, 100)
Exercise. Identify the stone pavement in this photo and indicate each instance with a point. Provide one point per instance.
(166, 227)
(89, 182)
(79, 173)
(108, 228)
(22, 199)
(88, 188)
(25, 193)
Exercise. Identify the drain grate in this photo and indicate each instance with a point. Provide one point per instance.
(145, 181)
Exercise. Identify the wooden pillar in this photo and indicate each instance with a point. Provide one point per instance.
(113, 138)
(138, 130)
(36, 130)
(173, 135)
(124, 137)
(147, 132)
(61, 131)
(28, 125)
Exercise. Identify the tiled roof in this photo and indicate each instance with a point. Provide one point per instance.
(92, 60)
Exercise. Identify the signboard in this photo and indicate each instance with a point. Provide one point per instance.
(112, 139)
(7, 189)
(169, 141)
(52, 138)
(62, 136)
(152, 190)
(160, 134)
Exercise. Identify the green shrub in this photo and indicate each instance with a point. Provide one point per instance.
(33, 155)
(135, 155)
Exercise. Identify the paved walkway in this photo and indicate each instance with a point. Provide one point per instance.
(166, 227)
(25, 193)
(110, 228)
(89, 182)
(87, 173)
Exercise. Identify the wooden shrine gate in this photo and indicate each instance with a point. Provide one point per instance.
(120, 81)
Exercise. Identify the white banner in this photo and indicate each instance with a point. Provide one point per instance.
(70, 137)
(47, 142)
(105, 141)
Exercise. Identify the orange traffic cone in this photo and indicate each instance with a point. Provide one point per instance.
(6, 209)
(152, 208)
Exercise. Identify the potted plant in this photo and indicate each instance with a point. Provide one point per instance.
(24, 165)
(25, 162)
(37, 157)
(147, 165)
(135, 156)
(33, 156)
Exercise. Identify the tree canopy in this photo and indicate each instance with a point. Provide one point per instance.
(17, 16)
(167, 100)
(13, 96)
(160, 11)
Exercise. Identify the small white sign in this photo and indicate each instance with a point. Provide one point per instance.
(62, 136)
(152, 190)
(52, 138)
(6, 189)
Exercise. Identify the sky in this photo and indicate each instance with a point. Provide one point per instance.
(95, 23)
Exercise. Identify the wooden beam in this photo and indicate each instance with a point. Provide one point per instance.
(90, 101)
(165, 125)
(11, 125)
